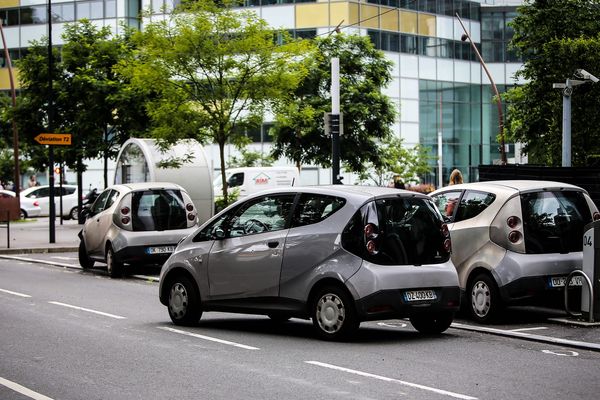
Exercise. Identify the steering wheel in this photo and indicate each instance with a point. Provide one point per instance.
(255, 226)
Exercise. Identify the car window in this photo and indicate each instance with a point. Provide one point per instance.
(406, 231)
(472, 204)
(553, 222)
(264, 214)
(157, 210)
(235, 180)
(40, 193)
(446, 202)
(68, 190)
(313, 208)
(112, 197)
(99, 204)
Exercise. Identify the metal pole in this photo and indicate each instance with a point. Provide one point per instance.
(498, 101)
(335, 116)
(50, 122)
(17, 173)
(566, 125)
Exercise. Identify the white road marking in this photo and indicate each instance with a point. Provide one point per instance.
(383, 378)
(566, 353)
(14, 293)
(529, 329)
(23, 390)
(87, 309)
(393, 324)
(212, 339)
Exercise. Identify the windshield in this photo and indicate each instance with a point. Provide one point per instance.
(553, 222)
(158, 210)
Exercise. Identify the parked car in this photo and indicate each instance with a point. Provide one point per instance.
(249, 180)
(42, 195)
(339, 255)
(136, 223)
(514, 241)
(29, 207)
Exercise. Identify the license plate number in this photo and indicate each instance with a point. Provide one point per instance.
(559, 281)
(419, 295)
(160, 250)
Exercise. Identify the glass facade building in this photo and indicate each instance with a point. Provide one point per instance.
(438, 84)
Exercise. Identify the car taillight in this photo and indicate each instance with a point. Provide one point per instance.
(370, 231)
(445, 230)
(37, 203)
(372, 248)
(514, 236)
(512, 222)
(448, 245)
(596, 216)
(125, 210)
(191, 217)
(125, 220)
(189, 207)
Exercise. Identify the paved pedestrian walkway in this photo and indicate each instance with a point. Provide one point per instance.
(33, 236)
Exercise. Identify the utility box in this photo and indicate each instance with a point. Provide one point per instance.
(591, 267)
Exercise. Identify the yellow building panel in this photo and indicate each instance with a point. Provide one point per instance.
(339, 12)
(427, 25)
(408, 22)
(369, 15)
(9, 3)
(390, 19)
(354, 14)
(5, 80)
(312, 15)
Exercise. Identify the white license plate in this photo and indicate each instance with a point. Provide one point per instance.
(419, 295)
(160, 250)
(559, 281)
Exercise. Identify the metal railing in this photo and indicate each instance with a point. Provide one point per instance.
(591, 293)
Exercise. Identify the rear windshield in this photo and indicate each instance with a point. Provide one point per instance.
(553, 222)
(158, 210)
(408, 232)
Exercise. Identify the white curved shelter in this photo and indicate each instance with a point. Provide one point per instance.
(141, 160)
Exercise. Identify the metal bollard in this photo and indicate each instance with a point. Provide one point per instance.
(591, 292)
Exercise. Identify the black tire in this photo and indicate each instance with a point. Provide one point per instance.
(333, 314)
(113, 265)
(74, 213)
(279, 318)
(483, 299)
(432, 323)
(183, 301)
(84, 260)
(22, 214)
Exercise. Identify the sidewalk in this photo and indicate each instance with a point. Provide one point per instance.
(33, 236)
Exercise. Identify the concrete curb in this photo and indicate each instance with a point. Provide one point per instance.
(39, 250)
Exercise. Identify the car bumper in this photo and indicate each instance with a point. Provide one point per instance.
(537, 290)
(141, 254)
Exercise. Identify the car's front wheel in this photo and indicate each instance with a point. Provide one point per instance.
(184, 301)
(74, 213)
(333, 314)
(483, 299)
(113, 265)
(22, 214)
(432, 323)
(84, 260)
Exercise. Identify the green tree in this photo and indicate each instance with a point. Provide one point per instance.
(215, 69)
(250, 158)
(367, 113)
(556, 38)
(396, 159)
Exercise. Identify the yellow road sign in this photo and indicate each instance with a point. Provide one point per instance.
(62, 139)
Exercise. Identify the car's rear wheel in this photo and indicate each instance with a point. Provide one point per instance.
(432, 323)
(184, 301)
(22, 214)
(483, 298)
(74, 213)
(113, 265)
(84, 260)
(333, 314)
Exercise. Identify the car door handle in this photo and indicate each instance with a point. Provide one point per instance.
(272, 245)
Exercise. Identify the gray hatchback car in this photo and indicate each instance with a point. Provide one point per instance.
(337, 254)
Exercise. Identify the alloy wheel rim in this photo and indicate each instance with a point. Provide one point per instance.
(331, 313)
(178, 300)
(481, 299)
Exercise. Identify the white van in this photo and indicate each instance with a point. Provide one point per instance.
(249, 180)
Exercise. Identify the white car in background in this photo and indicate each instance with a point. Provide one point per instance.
(42, 195)
(29, 207)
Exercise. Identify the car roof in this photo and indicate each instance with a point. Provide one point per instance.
(362, 192)
(56, 186)
(146, 185)
(514, 185)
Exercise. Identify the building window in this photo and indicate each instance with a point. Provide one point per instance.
(496, 34)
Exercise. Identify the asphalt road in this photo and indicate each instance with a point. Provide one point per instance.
(71, 334)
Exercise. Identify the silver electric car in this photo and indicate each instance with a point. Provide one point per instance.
(514, 241)
(136, 223)
(337, 254)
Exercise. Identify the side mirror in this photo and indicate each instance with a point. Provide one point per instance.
(218, 233)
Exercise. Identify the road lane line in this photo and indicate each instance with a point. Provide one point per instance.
(537, 328)
(383, 378)
(23, 390)
(87, 309)
(212, 339)
(14, 293)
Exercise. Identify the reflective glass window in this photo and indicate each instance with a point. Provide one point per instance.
(110, 8)
(313, 208)
(265, 214)
(157, 210)
(472, 204)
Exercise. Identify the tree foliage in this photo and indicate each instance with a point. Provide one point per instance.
(367, 113)
(215, 69)
(556, 38)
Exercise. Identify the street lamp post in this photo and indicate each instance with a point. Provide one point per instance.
(464, 37)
